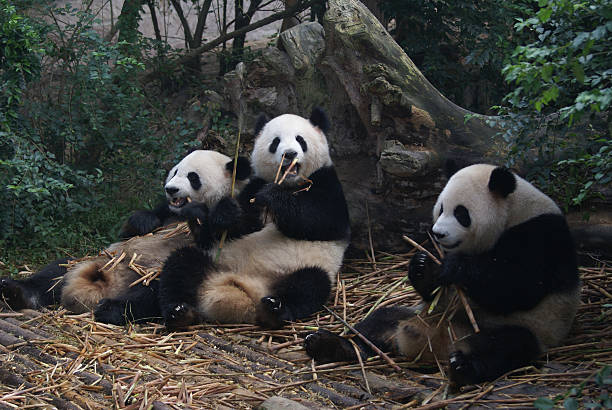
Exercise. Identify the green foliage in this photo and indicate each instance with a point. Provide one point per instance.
(557, 117)
(450, 40)
(574, 398)
(81, 144)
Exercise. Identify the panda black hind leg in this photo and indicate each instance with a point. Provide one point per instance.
(180, 279)
(294, 296)
(489, 354)
(139, 303)
(383, 328)
(44, 288)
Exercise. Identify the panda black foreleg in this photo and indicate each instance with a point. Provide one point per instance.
(424, 275)
(295, 296)
(489, 354)
(144, 221)
(44, 288)
(139, 303)
(380, 328)
(180, 280)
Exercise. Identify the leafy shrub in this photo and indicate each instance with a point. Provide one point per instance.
(558, 115)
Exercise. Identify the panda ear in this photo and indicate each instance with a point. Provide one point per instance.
(502, 182)
(318, 118)
(243, 168)
(261, 121)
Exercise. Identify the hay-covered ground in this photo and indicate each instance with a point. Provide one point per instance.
(59, 360)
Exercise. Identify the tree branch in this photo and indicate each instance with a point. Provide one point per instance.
(184, 23)
(301, 6)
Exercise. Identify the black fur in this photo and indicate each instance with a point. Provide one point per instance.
(502, 182)
(528, 262)
(38, 290)
(194, 180)
(145, 221)
(325, 347)
(138, 303)
(262, 120)
(318, 118)
(180, 279)
(319, 214)
(424, 275)
(227, 215)
(493, 352)
(243, 168)
(295, 296)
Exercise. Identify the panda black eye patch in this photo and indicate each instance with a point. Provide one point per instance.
(302, 143)
(194, 179)
(441, 209)
(463, 215)
(274, 145)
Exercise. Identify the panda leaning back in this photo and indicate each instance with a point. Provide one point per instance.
(282, 271)
(509, 249)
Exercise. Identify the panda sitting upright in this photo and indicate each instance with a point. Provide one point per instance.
(509, 249)
(94, 284)
(284, 271)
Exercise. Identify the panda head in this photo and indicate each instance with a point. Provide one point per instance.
(287, 138)
(479, 203)
(204, 176)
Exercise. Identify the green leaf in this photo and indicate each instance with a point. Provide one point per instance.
(578, 71)
(544, 403)
(544, 14)
(570, 404)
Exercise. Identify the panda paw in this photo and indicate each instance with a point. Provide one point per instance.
(272, 312)
(195, 211)
(326, 347)
(268, 194)
(12, 294)
(226, 214)
(453, 270)
(463, 370)
(111, 311)
(180, 315)
(423, 275)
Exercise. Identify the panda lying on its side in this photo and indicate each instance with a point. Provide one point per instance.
(93, 284)
(509, 249)
(284, 271)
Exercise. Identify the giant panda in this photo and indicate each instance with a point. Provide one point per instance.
(285, 270)
(98, 283)
(509, 249)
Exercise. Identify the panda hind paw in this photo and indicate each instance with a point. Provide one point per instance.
(463, 370)
(180, 316)
(12, 294)
(326, 347)
(272, 312)
(111, 311)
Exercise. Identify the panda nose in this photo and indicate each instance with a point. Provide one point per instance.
(171, 190)
(290, 154)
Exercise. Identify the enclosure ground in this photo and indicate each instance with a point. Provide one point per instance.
(55, 359)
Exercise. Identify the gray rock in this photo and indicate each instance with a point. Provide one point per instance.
(280, 403)
(305, 45)
(400, 161)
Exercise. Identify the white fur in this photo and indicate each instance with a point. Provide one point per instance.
(287, 127)
(490, 214)
(210, 167)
